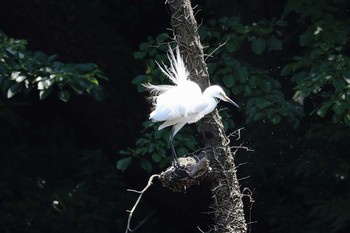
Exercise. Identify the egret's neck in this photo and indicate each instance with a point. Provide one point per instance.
(208, 96)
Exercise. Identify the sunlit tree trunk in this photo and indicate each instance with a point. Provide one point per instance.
(227, 198)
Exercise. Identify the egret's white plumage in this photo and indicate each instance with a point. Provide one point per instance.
(183, 102)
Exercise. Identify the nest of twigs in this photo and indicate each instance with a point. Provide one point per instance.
(191, 171)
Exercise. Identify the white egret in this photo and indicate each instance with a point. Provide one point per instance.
(183, 102)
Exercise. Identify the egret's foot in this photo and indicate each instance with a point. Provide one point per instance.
(176, 163)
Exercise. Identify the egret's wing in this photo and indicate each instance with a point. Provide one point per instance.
(161, 113)
(180, 103)
(173, 118)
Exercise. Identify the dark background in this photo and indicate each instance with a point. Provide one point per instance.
(58, 159)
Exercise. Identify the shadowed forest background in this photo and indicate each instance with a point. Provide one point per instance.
(68, 158)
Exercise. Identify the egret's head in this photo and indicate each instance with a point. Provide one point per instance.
(218, 92)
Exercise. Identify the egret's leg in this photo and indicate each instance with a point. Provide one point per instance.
(171, 141)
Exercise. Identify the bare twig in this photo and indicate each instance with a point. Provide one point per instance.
(249, 193)
(144, 220)
(200, 230)
(236, 133)
(131, 212)
(220, 45)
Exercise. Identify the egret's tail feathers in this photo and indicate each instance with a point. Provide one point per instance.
(177, 71)
(168, 123)
(177, 125)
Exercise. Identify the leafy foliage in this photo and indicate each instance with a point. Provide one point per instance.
(154, 143)
(322, 71)
(290, 75)
(21, 71)
(258, 88)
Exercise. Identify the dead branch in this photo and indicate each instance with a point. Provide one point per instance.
(131, 212)
(227, 197)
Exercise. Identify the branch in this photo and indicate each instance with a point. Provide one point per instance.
(131, 212)
(227, 197)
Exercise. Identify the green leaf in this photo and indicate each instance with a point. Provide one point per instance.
(97, 93)
(339, 107)
(258, 45)
(52, 58)
(347, 118)
(288, 69)
(229, 81)
(123, 164)
(139, 55)
(242, 74)
(14, 89)
(274, 43)
(233, 45)
(153, 52)
(156, 157)
(276, 119)
(64, 95)
(322, 111)
(146, 164)
(139, 79)
(339, 84)
(258, 116)
(315, 53)
(238, 89)
(265, 85)
(211, 67)
(262, 103)
(253, 80)
(83, 83)
(162, 37)
(44, 93)
(144, 46)
(150, 64)
(306, 38)
(291, 6)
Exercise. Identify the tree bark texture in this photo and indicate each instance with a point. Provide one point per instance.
(227, 198)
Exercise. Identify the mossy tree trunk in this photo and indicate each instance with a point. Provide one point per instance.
(227, 203)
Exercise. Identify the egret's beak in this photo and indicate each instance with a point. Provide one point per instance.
(230, 101)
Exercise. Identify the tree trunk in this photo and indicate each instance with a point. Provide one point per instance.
(227, 204)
